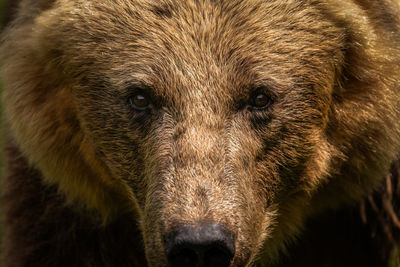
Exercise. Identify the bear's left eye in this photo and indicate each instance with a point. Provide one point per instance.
(261, 101)
(139, 101)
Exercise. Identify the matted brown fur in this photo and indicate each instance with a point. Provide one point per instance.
(90, 181)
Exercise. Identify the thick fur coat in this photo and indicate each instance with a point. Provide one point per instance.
(126, 120)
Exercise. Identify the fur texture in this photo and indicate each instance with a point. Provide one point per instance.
(87, 166)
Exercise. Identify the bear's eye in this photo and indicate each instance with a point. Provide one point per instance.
(139, 101)
(261, 101)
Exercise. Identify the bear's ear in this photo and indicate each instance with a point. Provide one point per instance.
(39, 111)
(358, 63)
(357, 67)
(369, 47)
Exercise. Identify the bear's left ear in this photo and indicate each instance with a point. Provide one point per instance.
(370, 71)
(357, 67)
(365, 106)
(370, 52)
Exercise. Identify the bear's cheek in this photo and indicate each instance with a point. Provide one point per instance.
(107, 123)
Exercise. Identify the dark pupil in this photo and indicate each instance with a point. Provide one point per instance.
(261, 101)
(140, 101)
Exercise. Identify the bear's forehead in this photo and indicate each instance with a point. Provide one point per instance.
(203, 43)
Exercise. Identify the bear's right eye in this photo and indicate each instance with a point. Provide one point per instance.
(139, 101)
(261, 101)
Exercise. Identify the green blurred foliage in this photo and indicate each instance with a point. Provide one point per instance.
(395, 260)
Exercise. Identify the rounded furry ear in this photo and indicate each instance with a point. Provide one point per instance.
(363, 122)
(369, 45)
(34, 89)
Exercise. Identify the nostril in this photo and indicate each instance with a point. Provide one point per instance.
(183, 257)
(216, 256)
(208, 245)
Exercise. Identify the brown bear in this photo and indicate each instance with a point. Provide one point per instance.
(201, 133)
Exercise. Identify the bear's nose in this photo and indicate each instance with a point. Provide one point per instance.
(202, 245)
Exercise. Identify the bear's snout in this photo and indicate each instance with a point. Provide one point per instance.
(206, 244)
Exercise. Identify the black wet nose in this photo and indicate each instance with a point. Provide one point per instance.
(203, 245)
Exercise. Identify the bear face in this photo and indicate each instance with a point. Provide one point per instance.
(248, 117)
